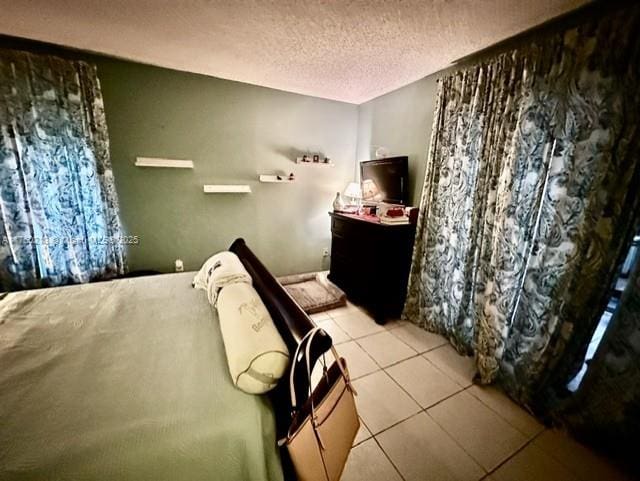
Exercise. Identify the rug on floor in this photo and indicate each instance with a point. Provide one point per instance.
(314, 292)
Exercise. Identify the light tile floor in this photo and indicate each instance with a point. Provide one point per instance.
(423, 419)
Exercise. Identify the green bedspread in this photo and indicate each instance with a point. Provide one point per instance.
(125, 380)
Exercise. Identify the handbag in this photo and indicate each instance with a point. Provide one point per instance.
(322, 430)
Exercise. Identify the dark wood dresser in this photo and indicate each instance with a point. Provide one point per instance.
(370, 262)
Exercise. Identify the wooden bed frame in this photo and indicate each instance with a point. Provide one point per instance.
(292, 323)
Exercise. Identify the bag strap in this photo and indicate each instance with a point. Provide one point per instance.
(305, 344)
(292, 388)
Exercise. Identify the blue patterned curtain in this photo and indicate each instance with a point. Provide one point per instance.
(606, 410)
(58, 203)
(530, 191)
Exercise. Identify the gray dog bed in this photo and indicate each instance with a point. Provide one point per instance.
(314, 292)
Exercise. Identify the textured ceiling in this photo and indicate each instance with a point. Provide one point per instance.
(343, 50)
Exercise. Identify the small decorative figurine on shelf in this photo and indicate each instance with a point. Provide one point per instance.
(317, 159)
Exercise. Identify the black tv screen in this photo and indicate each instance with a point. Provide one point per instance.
(385, 180)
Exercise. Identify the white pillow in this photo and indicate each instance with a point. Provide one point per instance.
(256, 354)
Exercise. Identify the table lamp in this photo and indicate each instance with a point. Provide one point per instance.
(354, 193)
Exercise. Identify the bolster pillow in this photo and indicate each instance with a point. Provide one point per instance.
(220, 270)
(256, 354)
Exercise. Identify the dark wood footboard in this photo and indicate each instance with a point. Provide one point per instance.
(292, 323)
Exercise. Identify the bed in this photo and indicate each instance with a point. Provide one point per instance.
(127, 380)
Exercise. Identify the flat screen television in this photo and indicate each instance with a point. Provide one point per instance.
(385, 180)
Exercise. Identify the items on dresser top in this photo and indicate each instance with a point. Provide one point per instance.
(409, 217)
(369, 209)
(393, 211)
(340, 205)
(404, 220)
(392, 214)
(390, 210)
(381, 212)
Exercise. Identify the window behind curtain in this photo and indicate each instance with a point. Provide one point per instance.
(58, 204)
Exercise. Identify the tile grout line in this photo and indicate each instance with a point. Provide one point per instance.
(422, 410)
(449, 396)
(368, 430)
(442, 370)
(388, 458)
(527, 435)
(421, 354)
(356, 339)
(462, 388)
(402, 340)
(377, 363)
(416, 413)
(396, 423)
(389, 330)
(375, 436)
(349, 338)
(426, 409)
(529, 438)
(517, 451)
(409, 394)
(418, 354)
(383, 369)
(486, 472)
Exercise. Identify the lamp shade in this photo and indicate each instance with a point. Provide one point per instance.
(353, 190)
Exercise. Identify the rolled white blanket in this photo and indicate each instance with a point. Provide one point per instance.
(220, 270)
(256, 354)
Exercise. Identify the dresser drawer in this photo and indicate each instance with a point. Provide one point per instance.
(356, 231)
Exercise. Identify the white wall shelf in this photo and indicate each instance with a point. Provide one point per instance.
(284, 179)
(226, 189)
(310, 161)
(163, 163)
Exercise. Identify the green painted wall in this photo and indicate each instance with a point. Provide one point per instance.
(232, 132)
(401, 121)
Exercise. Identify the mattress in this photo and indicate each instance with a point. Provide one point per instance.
(125, 380)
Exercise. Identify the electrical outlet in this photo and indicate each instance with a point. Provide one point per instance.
(179, 265)
(325, 252)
